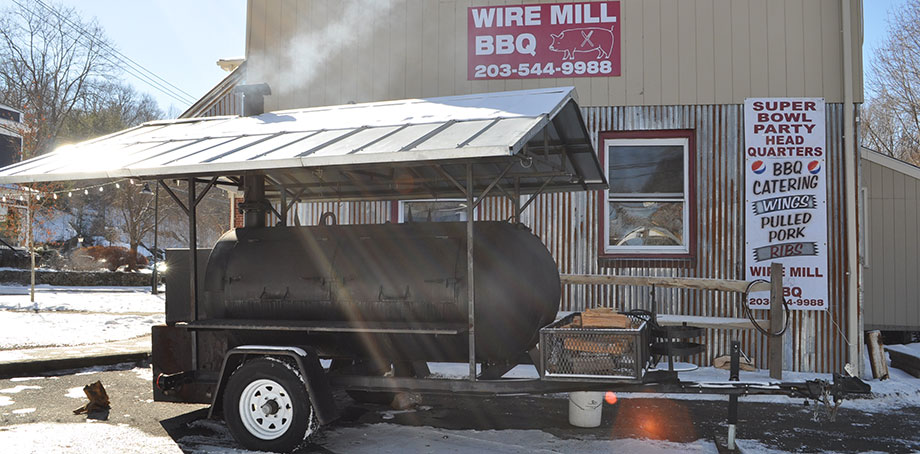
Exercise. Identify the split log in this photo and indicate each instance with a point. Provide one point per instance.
(725, 362)
(604, 318)
(98, 399)
(877, 359)
(581, 345)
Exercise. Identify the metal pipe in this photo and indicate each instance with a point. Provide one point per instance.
(253, 201)
(193, 261)
(193, 249)
(30, 242)
(850, 164)
(471, 294)
(156, 234)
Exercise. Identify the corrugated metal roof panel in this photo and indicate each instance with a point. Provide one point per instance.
(408, 132)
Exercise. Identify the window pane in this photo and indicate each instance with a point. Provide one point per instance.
(434, 211)
(646, 223)
(646, 168)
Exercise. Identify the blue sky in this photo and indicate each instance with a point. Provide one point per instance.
(875, 27)
(181, 40)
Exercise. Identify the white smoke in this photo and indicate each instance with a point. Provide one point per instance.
(305, 55)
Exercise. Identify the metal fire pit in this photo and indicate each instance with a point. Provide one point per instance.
(594, 354)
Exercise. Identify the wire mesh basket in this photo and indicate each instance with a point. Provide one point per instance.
(588, 354)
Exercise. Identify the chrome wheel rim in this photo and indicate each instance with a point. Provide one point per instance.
(266, 409)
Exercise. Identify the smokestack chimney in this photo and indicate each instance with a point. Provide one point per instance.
(254, 98)
(254, 203)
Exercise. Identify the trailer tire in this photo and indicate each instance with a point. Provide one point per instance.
(266, 406)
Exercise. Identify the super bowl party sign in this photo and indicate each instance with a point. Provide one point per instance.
(543, 40)
(786, 198)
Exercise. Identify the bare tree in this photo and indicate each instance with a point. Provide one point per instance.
(136, 210)
(47, 62)
(890, 119)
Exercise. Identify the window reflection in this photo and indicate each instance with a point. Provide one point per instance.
(434, 211)
(646, 223)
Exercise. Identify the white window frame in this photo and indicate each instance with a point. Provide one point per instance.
(650, 250)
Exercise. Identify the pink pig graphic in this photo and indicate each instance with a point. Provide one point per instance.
(588, 39)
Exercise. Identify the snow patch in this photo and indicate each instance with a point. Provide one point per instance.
(23, 411)
(16, 389)
(76, 393)
(82, 439)
(17, 379)
(87, 299)
(391, 438)
(6, 401)
(30, 329)
(144, 373)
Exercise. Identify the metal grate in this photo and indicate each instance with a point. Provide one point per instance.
(594, 353)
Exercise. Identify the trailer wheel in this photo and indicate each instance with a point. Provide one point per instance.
(266, 406)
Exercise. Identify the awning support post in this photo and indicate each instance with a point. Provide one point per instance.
(471, 293)
(516, 200)
(193, 248)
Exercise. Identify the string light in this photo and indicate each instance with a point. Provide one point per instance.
(69, 192)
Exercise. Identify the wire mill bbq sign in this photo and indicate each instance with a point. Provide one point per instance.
(786, 198)
(544, 40)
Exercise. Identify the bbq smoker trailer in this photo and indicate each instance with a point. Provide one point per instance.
(250, 332)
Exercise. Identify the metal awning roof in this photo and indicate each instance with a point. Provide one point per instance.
(532, 140)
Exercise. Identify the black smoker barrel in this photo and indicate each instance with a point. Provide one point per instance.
(364, 275)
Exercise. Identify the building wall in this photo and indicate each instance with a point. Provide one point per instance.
(891, 282)
(675, 52)
(686, 64)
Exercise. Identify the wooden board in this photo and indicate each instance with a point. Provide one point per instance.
(725, 285)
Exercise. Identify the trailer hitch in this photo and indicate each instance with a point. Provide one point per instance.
(832, 394)
(170, 382)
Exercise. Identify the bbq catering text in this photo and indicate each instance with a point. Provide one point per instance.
(786, 198)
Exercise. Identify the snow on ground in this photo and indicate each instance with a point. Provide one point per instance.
(392, 438)
(82, 439)
(900, 390)
(75, 315)
(23, 329)
(85, 299)
(16, 389)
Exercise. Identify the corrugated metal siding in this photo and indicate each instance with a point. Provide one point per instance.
(815, 340)
(673, 52)
(568, 225)
(228, 104)
(345, 213)
(892, 285)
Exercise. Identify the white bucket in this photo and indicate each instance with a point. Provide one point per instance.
(585, 408)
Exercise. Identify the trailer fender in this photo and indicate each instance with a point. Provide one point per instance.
(306, 361)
